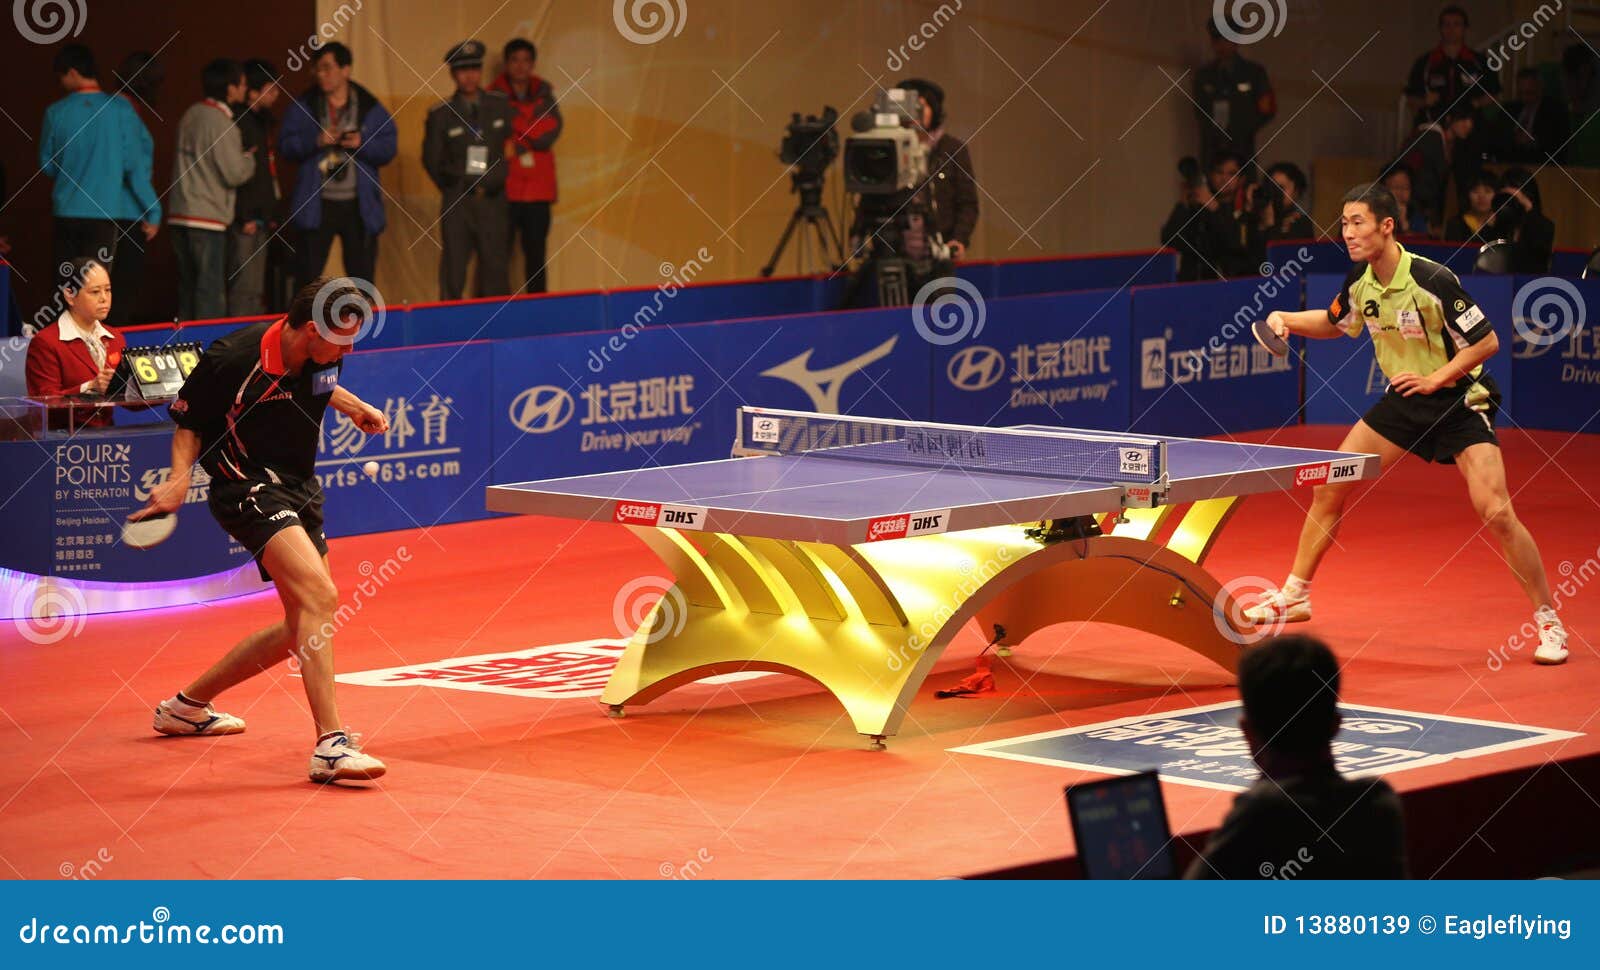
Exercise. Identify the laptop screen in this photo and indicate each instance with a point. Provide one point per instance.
(1120, 826)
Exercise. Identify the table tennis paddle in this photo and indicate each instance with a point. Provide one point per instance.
(1268, 338)
(149, 531)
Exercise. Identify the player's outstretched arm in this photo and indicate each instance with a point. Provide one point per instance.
(1305, 323)
(169, 495)
(366, 417)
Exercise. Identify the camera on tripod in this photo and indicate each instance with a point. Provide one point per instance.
(885, 155)
(809, 146)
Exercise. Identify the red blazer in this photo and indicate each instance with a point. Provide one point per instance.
(58, 368)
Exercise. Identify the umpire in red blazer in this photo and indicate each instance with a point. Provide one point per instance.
(76, 355)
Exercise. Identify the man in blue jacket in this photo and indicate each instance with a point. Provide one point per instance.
(339, 135)
(88, 146)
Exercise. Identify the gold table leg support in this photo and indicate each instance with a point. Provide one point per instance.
(868, 622)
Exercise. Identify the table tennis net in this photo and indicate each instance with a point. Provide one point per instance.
(1076, 457)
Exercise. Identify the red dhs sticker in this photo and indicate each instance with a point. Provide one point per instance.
(661, 516)
(907, 525)
(1346, 470)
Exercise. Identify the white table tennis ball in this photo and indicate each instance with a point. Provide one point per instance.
(371, 468)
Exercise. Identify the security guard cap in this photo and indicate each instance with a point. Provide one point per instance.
(468, 53)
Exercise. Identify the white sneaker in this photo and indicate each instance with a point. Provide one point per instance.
(177, 718)
(1552, 639)
(1276, 607)
(338, 759)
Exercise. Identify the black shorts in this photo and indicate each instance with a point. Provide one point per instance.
(1436, 427)
(253, 512)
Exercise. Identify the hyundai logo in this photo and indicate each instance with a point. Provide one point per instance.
(976, 368)
(542, 409)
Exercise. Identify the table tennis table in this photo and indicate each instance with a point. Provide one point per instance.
(851, 550)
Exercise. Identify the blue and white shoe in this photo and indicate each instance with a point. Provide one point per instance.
(176, 718)
(338, 759)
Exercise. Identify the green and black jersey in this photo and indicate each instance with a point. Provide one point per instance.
(1419, 322)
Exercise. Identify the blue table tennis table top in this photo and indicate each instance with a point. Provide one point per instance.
(812, 497)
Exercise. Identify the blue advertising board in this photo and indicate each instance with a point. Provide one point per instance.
(584, 403)
(1555, 353)
(434, 459)
(1198, 370)
(1342, 376)
(1059, 360)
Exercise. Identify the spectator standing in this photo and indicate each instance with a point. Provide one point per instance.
(256, 203)
(463, 150)
(1450, 75)
(1409, 219)
(211, 162)
(85, 147)
(531, 180)
(1539, 122)
(1580, 75)
(340, 136)
(1302, 810)
(1441, 152)
(138, 80)
(1233, 97)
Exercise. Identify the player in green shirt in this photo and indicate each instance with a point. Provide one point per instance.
(1431, 340)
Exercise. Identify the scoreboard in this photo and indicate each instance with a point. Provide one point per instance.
(154, 372)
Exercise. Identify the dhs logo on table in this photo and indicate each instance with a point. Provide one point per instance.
(1327, 472)
(659, 515)
(542, 409)
(907, 525)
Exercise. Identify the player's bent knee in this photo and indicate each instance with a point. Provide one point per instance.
(1331, 498)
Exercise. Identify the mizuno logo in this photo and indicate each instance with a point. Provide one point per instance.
(823, 386)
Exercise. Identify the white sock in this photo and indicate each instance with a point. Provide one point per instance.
(1295, 588)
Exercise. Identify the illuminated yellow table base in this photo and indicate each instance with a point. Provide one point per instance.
(868, 622)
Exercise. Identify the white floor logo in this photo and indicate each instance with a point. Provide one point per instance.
(578, 669)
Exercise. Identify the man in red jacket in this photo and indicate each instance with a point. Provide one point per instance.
(531, 181)
(76, 355)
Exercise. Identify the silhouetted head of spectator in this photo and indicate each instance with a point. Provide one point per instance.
(1291, 181)
(1480, 193)
(1453, 26)
(1530, 85)
(1222, 46)
(140, 74)
(1458, 121)
(74, 65)
(1290, 689)
(1521, 178)
(261, 84)
(333, 67)
(1398, 181)
(1224, 171)
(222, 80)
(519, 56)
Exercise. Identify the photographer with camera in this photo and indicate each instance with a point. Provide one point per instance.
(339, 135)
(1275, 212)
(1202, 226)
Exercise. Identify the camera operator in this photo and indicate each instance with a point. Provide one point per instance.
(1276, 212)
(951, 191)
(1202, 227)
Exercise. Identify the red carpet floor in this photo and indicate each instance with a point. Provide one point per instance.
(762, 778)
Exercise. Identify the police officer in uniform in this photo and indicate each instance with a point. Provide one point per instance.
(464, 153)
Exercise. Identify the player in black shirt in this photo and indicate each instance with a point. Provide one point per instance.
(251, 414)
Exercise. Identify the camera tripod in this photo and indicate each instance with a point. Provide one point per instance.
(814, 214)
